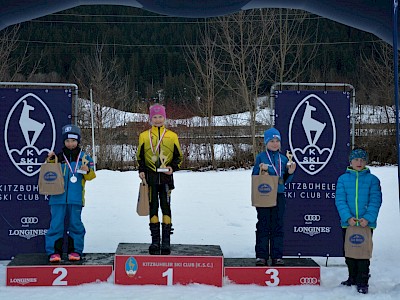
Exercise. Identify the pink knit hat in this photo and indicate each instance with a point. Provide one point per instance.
(157, 109)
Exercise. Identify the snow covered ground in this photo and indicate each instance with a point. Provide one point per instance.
(214, 208)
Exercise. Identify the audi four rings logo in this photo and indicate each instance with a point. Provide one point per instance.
(29, 220)
(310, 218)
(309, 280)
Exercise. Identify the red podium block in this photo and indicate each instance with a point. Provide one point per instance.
(297, 271)
(35, 270)
(187, 264)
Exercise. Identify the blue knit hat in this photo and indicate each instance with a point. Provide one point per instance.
(358, 153)
(271, 133)
(71, 132)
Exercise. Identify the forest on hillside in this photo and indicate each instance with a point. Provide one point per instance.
(151, 48)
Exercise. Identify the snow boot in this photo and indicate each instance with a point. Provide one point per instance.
(362, 284)
(261, 262)
(166, 234)
(154, 248)
(362, 288)
(278, 262)
(349, 282)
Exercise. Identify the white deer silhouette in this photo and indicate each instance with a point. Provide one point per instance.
(310, 124)
(27, 124)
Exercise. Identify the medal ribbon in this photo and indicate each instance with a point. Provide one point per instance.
(273, 164)
(76, 165)
(154, 151)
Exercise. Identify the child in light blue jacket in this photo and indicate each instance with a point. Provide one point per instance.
(66, 208)
(358, 200)
(269, 233)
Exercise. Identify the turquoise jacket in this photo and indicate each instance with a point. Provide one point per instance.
(358, 195)
(274, 155)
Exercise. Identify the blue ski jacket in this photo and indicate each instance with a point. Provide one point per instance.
(358, 195)
(263, 158)
(74, 193)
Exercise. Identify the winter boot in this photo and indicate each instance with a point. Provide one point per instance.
(349, 282)
(154, 248)
(362, 284)
(166, 233)
(362, 288)
(353, 271)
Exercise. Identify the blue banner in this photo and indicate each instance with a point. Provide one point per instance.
(315, 128)
(31, 122)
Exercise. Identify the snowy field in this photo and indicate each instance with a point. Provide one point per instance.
(214, 208)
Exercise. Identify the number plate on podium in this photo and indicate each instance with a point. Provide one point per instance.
(295, 272)
(187, 264)
(35, 270)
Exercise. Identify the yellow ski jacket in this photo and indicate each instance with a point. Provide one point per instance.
(154, 142)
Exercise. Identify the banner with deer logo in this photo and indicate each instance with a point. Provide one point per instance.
(315, 128)
(31, 127)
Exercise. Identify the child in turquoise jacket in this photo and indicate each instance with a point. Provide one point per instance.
(358, 200)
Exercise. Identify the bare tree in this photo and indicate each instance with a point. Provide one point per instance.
(203, 72)
(376, 125)
(244, 39)
(243, 52)
(378, 64)
(110, 92)
(292, 33)
(11, 66)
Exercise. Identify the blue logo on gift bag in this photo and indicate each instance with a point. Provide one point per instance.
(264, 188)
(356, 239)
(50, 176)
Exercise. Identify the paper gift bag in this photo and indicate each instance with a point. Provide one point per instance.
(143, 204)
(264, 190)
(51, 179)
(358, 242)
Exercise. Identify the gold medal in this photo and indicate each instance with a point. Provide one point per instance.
(154, 158)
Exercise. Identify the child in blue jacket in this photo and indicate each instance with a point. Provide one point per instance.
(77, 168)
(358, 200)
(269, 233)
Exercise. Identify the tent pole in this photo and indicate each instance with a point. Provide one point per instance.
(396, 86)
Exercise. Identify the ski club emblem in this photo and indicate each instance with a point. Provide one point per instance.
(312, 134)
(28, 124)
(131, 266)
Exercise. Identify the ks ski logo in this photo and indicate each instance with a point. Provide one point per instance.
(131, 266)
(28, 124)
(312, 134)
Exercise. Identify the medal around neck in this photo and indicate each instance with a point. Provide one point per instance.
(163, 167)
(84, 163)
(73, 178)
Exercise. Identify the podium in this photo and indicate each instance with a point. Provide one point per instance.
(133, 265)
(296, 271)
(202, 264)
(35, 270)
